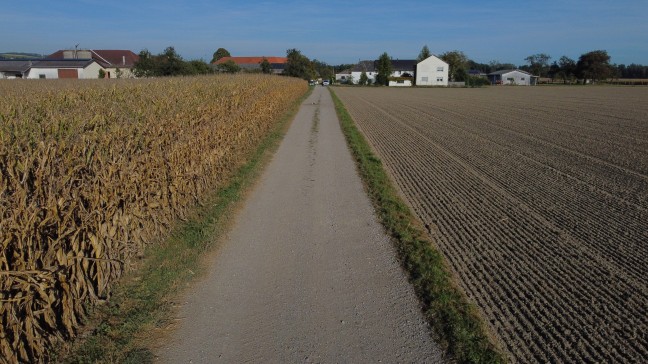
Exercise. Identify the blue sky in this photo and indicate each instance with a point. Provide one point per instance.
(333, 31)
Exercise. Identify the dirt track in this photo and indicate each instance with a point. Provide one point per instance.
(538, 198)
(306, 274)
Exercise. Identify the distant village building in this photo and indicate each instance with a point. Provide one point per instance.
(368, 67)
(50, 69)
(432, 71)
(116, 63)
(277, 64)
(512, 77)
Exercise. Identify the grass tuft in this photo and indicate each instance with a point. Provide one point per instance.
(455, 321)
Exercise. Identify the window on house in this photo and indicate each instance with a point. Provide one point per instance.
(439, 79)
(439, 69)
(522, 78)
(510, 79)
(424, 79)
(400, 81)
(41, 76)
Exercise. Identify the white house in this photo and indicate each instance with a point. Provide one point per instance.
(432, 71)
(50, 69)
(70, 68)
(512, 77)
(368, 67)
(343, 76)
(117, 63)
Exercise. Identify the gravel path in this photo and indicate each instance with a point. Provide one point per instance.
(307, 273)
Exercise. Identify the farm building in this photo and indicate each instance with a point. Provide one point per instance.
(50, 69)
(369, 68)
(343, 76)
(432, 71)
(277, 64)
(117, 63)
(512, 77)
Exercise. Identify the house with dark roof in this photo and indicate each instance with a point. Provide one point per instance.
(277, 64)
(368, 67)
(50, 69)
(433, 72)
(117, 63)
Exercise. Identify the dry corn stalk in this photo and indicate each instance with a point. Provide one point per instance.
(90, 172)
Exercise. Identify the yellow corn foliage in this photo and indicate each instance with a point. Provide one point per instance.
(93, 171)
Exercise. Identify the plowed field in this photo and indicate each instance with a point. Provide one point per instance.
(538, 198)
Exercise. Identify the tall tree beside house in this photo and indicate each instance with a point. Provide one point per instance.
(538, 63)
(298, 65)
(144, 67)
(384, 68)
(265, 66)
(594, 65)
(424, 54)
(457, 62)
(220, 53)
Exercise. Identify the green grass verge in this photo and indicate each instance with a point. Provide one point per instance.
(142, 301)
(455, 321)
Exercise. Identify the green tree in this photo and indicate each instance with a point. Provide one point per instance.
(384, 68)
(457, 62)
(424, 54)
(566, 69)
(229, 66)
(170, 63)
(265, 66)
(298, 65)
(145, 66)
(220, 53)
(594, 65)
(538, 63)
(199, 67)
(364, 79)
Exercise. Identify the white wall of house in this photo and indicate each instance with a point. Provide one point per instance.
(48, 73)
(90, 71)
(370, 75)
(432, 71)
(516, 77)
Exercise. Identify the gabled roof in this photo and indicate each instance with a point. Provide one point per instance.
(367, 66)
(62, 63)
(404, 64)
(501, 72)
(253, 60)
(106, 57)
(15, 66)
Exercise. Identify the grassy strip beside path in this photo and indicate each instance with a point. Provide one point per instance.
(455, 320)
(124, 327)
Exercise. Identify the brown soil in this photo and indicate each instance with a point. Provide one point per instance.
(538, 198)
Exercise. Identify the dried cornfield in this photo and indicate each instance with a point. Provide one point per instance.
(92, 172)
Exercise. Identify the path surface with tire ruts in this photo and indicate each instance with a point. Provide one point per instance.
(307, 273)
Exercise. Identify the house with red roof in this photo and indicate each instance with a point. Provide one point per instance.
(117, 63)
(277, 64)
